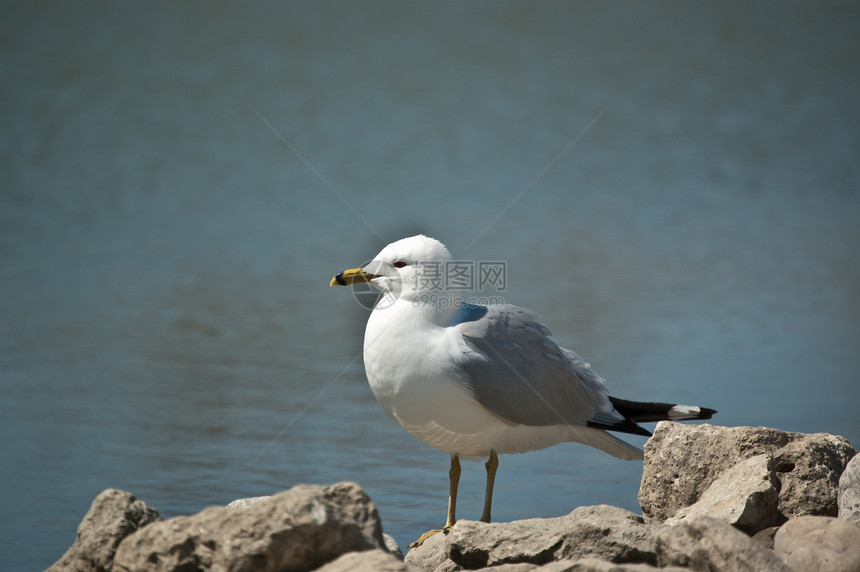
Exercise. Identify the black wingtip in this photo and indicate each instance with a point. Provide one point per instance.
(706, 413)
(640, 411)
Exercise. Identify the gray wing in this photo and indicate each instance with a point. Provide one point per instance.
(522, 376)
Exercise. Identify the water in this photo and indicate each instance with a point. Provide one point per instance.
(167, 326)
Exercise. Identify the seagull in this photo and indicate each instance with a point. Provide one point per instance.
(481, 380)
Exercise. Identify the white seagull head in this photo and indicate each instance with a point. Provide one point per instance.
(406, 269)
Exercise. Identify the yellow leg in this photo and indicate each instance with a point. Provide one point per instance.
(492, 465)
(454, 483)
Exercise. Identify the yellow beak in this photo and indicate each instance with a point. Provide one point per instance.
(351, 276)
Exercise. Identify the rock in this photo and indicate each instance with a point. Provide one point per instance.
(300, 529)
(747, 479)
(368, 561)
(391, 546)
(605, 532)
(245, 503)
(521, 567)
(431, 554)
(389, 542)
(597, 565)
(682, 461)
(820, 543)
(849, 491)
(113, 515)
(745, 496)
(809, 468)
(709, 544)
(765, 537)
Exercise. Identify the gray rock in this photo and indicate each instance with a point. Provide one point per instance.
(521, 567)
(368, 561)
(745, 496)
(809, 468)
(391, 546)
(597, 565)
(710, 544)
(682, 461)
(765, 537)
(849, 491)
(604, 532)
(113, 515)
(300, 529)
(820, 543)
(240, 504)
(431, 554)
(475, 545)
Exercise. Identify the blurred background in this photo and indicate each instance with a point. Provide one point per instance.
(675, 187)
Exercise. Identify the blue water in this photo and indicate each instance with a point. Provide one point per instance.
(675, 187)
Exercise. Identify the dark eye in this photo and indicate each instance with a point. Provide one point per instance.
(399, 264)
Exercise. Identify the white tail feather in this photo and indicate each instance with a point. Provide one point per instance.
(679, 412)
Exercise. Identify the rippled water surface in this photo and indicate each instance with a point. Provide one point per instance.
(674, 187)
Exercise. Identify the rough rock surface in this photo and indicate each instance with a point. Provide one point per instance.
(368, 561)
(247, 502)
(820, 543)
(734, 475)
(809, 468)
(710, 544)
(390, 544)
(597, 565)
(682, 461)
(745, 496)
(765, 537)
(602, 531)
(431, 555)
(113, 515)
(849, 491)
(300, 529)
